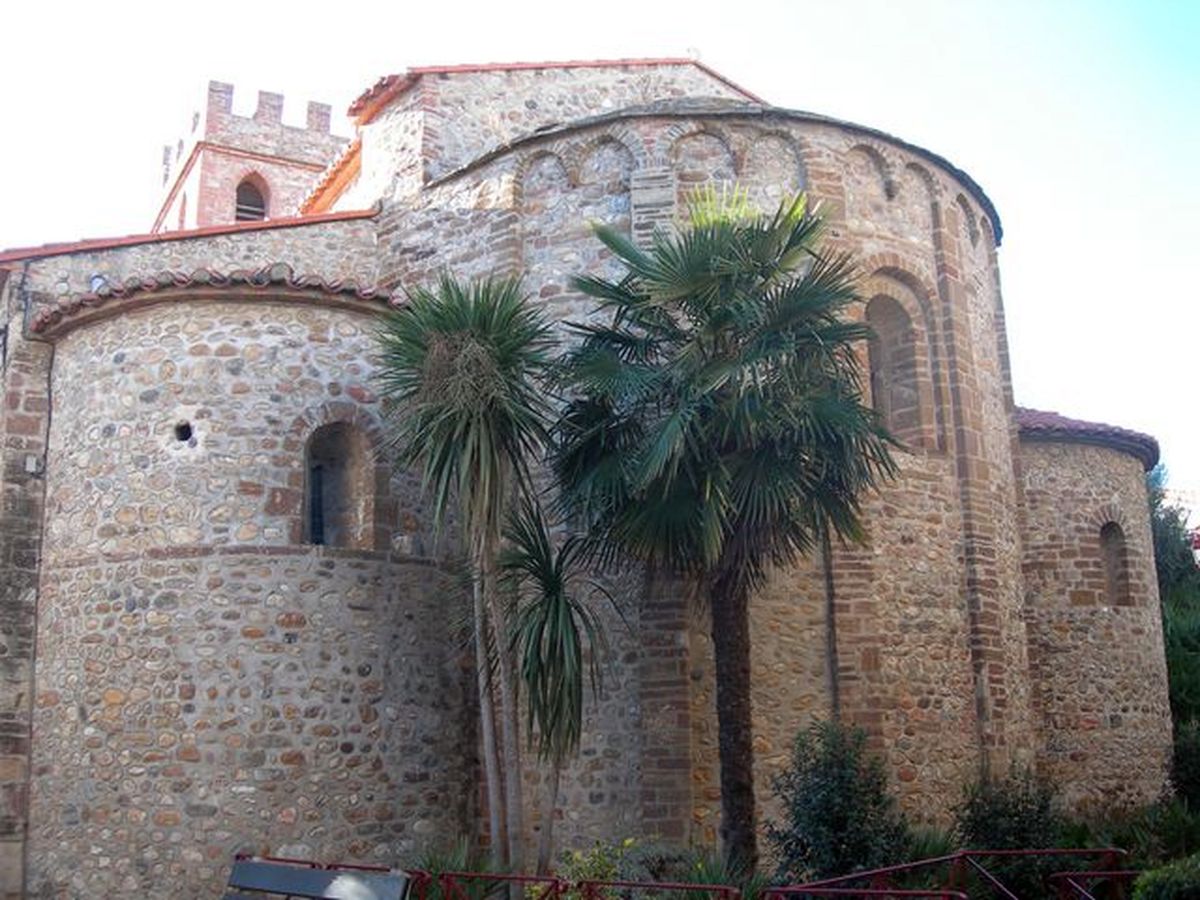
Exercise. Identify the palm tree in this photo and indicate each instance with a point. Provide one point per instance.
(462, 364)
(558, 641)
(716, 426)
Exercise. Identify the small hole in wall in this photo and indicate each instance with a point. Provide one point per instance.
(183, 431)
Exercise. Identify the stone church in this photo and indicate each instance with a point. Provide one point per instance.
(225, 624)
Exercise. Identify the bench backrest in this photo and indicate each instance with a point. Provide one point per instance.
(269, 877)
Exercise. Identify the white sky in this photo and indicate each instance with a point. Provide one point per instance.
(1079, 119)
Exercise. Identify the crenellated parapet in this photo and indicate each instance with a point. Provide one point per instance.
(220, 149)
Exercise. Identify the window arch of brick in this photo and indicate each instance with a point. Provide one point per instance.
(895, 367)
(251, 199)
(341, 504)
(1114, 554)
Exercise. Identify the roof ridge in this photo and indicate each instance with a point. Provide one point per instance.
(387, 86)
(61, 248)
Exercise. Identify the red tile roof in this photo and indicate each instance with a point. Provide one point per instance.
(17, 254)
(269, 281)
(1051, 426)
(338, 173)
(374, 98)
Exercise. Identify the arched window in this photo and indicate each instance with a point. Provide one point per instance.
(251, 203)
(893, 359)
(340, 495)
(1116, 565)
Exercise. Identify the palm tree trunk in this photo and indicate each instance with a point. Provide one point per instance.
(487, 724)
(549, 806)
(832, 664)
(509, 728)
(729, 602)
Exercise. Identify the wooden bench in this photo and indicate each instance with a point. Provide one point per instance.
(253, 877)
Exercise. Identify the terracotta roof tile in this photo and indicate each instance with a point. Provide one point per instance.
(1040, 424)
(266, 280)
(334, 172)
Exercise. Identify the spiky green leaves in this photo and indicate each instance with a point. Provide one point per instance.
(462, 365)
(717, 420)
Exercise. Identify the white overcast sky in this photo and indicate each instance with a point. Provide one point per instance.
(1078, 117)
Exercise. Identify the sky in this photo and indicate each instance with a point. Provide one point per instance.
(1080, 119)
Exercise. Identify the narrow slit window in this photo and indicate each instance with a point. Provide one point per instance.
(1116, 565)
(340, 491)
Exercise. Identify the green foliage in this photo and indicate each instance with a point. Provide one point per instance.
(461, 366)
(715, 424)
(650, 861)
(1179, 880)
(708, 206)
(557, 637)
(1012, 813)
(1185, 769)
(601, 862)
(839, 817)
(1150, 836)
(1173, 559)
(459, 857)
(716, 420)
(1181, 637)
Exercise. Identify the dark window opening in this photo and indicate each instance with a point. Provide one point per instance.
(1116, 565)
(340, 495)
(316, 504)
(183, 431)
(251, 205)
(892, 353)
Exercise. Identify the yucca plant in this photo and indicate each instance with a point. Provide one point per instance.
(462, 367)
(558, 640)
(715, 424)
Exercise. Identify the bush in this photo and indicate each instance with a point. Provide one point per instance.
(1179, 880)
(602, 862)
(1185, 768)
(1010, 814)
(839, 817)
(1013, 813)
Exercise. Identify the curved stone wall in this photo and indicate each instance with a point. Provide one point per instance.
(206, 683)
(1096, 653)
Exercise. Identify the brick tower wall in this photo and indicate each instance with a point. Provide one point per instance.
(201, 171)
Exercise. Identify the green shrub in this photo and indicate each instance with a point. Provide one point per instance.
(1179, 880)
(601, 862)
(459, 857)
(1150, 836)
(1010, 813)
(839, 817)
(1181, 640)
(1013, 813)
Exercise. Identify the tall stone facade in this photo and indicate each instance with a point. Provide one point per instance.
(226, 625)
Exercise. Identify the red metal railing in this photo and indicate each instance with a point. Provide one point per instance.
(886, 881)
(1105, 882)
(475, 885)
(601, 890)
(1115, 884)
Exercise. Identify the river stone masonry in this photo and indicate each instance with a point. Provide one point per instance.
(227, 625)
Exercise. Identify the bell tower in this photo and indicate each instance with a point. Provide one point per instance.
(230, 168)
